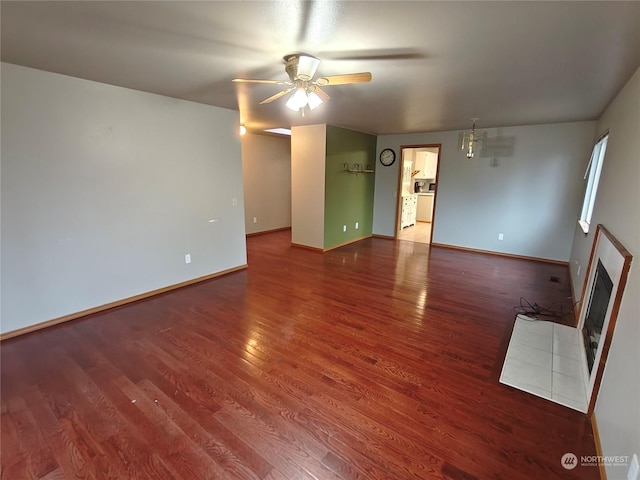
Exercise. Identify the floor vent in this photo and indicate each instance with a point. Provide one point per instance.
(554, 279)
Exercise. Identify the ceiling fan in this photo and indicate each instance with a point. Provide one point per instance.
(301, 69)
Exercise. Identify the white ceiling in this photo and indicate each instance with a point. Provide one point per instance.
(435, 65)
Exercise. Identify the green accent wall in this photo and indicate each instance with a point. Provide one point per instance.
(348, 196)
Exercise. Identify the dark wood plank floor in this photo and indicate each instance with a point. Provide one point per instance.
(379, 360)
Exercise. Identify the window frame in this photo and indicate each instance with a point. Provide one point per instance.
(592, 176)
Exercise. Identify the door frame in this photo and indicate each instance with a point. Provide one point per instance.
(396, 231)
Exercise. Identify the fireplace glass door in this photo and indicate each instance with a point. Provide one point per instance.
(596, 313)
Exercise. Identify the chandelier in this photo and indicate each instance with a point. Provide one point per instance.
(472, 139)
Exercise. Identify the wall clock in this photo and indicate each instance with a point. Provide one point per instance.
(387, 157)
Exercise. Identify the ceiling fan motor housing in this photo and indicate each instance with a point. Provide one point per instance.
(291, 66)
(301, 66)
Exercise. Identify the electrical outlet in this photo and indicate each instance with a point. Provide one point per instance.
(501, 236)
(356, 225)
(255, 219)
(344, 228)
(187, 258)
(234, 202)
(634, 468)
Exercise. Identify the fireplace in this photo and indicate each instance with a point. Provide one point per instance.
(601, 297)
(565, 364)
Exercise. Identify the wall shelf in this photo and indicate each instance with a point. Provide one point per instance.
(357, 168)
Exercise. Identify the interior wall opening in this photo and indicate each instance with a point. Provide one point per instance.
(417, 192)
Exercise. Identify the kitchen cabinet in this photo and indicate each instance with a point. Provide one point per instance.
(430, 165)
(409, 210)
(426, 165)
(407, 179)
(424, 210)
(419, 165)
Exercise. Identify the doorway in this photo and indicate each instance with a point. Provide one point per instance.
(417, 192)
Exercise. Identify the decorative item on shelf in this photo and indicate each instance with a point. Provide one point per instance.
(472, 138)
(357, 168)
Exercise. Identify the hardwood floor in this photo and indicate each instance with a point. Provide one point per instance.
(378, 360)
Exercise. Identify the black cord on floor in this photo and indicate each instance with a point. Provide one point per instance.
(534, 311)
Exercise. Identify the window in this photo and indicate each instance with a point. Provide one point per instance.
(592, 176)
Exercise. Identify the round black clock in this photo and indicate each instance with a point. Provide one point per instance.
(387, 157)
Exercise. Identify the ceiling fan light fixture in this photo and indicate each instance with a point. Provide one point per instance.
(313, 100)
(307, 67)
(292, 104)
(300, 97)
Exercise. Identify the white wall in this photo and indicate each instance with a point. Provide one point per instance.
(266, 170)
(617, 208)
(531, 193)
(105, 189)
(308, 159)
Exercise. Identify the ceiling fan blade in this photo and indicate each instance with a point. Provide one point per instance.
(276, 96)
(272, 82)
(321, 93)
(379, 54)
(345, 79)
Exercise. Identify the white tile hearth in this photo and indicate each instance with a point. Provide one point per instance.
(538, 357)
(566, 365)
(543, 359)
(528, 375)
